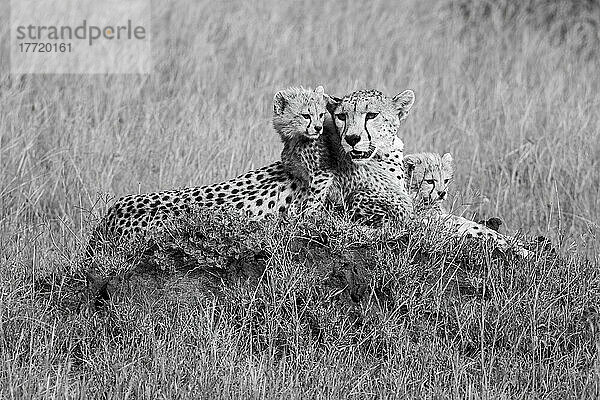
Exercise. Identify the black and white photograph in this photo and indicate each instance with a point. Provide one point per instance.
(300, 199)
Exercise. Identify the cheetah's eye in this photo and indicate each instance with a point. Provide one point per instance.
(446, 181)
(321, 116)
(341, 116)
(429, 181)
(306, 116)
(371, 115)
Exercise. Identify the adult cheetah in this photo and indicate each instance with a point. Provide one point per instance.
(370, 176)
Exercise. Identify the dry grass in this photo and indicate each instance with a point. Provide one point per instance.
(517, 109)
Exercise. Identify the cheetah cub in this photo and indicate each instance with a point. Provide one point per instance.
(428, 176)
(298, 116)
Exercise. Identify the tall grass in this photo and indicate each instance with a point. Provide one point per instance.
(516, 108)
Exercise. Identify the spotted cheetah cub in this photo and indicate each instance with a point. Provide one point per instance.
(298, 116)
(428, 176)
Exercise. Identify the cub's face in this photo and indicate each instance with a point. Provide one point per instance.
(367, 121)
(299, 112)
(428, 176)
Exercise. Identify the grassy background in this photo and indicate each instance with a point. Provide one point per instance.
(513, 98)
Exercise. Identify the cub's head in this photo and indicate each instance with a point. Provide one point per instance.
(299, 112)
(428, 176)
(367, 121)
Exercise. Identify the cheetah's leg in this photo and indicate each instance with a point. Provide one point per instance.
(470, 229)
(375, 208)
(319, 189)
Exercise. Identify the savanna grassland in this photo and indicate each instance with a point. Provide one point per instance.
(225, 307)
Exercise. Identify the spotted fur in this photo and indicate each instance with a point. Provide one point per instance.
(462, 227)
(266, 191)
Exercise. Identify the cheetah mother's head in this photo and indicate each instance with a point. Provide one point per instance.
(367, 121)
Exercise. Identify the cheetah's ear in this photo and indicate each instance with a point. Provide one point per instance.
(448, 162)
(404, 102)
(447, 159)
(279, 102)
(320, 92)
(332, 102)
(410, 161)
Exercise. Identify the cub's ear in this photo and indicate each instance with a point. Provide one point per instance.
(448, 163)
(404, 102)
(319, 91)
(332, 102)
(447, 159)
(279, 102)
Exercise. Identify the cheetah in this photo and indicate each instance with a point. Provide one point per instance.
(298, 116)
(275, 189)
(428, 176)
(368, 154)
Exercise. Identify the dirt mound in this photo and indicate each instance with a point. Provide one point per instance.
(322, 276)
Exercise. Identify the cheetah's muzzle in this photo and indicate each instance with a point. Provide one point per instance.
(362, 155)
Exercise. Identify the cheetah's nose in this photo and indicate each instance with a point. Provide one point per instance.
(352, 139)
(318, 128)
